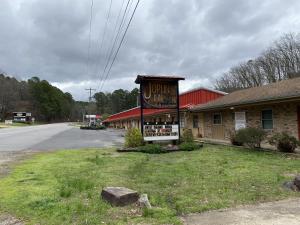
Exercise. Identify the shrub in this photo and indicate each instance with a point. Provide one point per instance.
(284, 142)
(101, 127)
(233, 139)
(97, 127)
(187, 136)
(188, 146)
(152, 149)
(133, 138)
(251, 137)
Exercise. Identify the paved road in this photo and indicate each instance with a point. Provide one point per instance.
(55, 136)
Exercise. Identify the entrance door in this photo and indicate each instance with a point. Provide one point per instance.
(218, 132)
(299, 122)
(217, 127)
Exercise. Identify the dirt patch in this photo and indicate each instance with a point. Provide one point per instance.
(275, 213)
(7, 159)
(9, 220)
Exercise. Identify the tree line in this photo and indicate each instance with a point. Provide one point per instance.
(279, 62)
(50, 104)
(116, 101)
(44, 101)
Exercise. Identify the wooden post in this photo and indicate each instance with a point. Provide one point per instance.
(142, 106)
(178, 112)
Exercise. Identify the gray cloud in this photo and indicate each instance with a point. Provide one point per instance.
(197, 39)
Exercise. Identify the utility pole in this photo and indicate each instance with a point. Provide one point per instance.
(90, 90)
(138, 99)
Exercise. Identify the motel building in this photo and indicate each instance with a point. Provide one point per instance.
(131, 118)
(215, 115)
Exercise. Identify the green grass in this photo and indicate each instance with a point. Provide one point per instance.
(3, 125)
(64, 187)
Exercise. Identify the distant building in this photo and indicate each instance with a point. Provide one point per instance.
(92, 120)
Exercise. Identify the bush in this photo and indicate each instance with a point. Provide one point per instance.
(233, 140)
(251, 137)
(188, 146)
(152, 149)
(284, 142)
(98, 127)
(133, 138)
(187, 136)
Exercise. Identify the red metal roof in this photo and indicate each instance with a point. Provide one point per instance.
(186, 100)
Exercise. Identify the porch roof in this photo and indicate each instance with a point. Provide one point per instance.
(279, 91)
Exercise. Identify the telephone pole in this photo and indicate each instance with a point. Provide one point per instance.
(90, 90)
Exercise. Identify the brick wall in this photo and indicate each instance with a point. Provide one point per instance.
(197, 131)
(284, 119)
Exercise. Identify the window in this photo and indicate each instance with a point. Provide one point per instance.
(195, 121)
(217, 119)
(182, 121)
(267, 119)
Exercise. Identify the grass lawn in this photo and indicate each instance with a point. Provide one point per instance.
(64, 187)
(3, 125)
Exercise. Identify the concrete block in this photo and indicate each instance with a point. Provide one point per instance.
(119, 196)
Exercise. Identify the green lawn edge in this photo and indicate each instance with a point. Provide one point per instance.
(63, 187)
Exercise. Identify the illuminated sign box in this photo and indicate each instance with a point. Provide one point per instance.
(161, 132)
(159, 92)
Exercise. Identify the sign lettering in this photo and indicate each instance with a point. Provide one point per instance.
(158, 94)
(160, 132)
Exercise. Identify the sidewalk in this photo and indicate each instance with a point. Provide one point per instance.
(272, 213)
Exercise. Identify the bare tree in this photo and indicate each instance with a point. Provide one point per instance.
(280, 61)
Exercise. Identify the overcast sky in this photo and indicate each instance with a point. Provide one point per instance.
(193, 38)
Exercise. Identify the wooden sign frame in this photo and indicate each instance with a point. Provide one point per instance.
(167, 98)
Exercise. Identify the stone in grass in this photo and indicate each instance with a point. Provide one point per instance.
(297, 182)
(144, 201)
(289, 185)
(119, 196)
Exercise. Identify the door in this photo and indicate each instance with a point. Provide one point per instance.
(218, 132)
(217, 127)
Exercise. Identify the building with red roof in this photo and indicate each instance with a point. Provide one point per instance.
(131, 117)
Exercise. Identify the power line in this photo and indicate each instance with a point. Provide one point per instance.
(90, 90)
(90, 34)
(119, 14)
(104, 33)
(114, 43)
(120, 43)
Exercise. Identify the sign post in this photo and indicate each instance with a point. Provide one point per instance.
(142, 106)
(159, 92)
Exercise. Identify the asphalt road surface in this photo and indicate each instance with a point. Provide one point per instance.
(56, 136)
